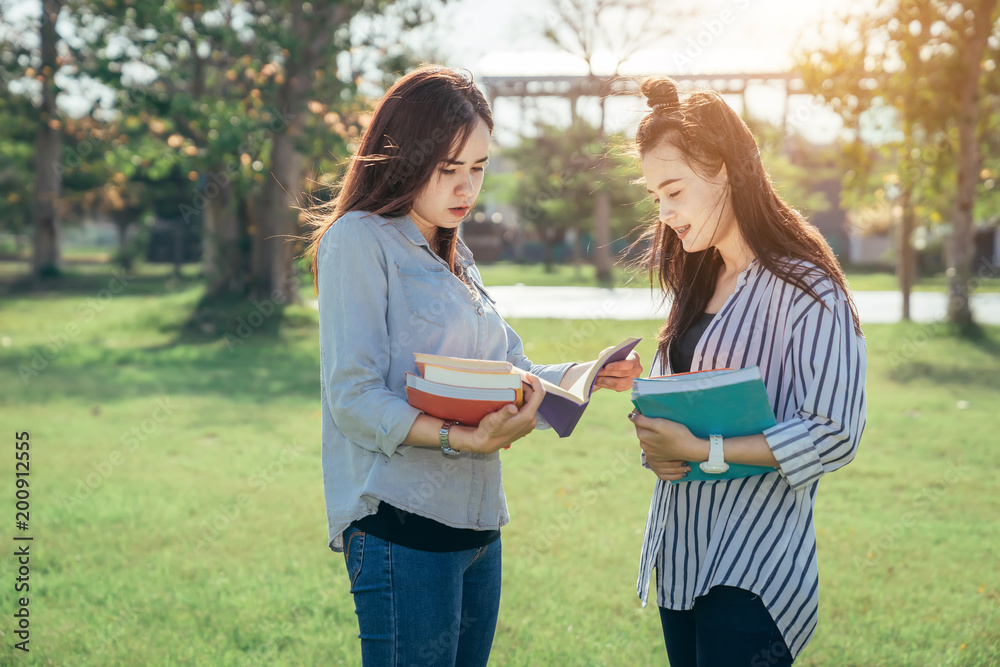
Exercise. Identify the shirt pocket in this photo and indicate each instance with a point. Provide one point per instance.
(428, 294)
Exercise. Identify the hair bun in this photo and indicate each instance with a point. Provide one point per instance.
(660, 93)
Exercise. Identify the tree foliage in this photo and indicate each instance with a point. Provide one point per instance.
(555, 177)
(600, 29)
(16, 170)
(914, 82)
(223, 112)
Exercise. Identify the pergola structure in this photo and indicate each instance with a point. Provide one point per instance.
(575, 87)
(572, 88)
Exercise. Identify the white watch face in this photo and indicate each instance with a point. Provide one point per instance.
(714, 468)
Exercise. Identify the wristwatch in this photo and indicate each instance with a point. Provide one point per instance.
(716, 462)
(443, 439)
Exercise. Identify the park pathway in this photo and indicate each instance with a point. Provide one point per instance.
(638, 304)
(584, 303)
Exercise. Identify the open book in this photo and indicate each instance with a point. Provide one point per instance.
(457, 377)
(722, 402)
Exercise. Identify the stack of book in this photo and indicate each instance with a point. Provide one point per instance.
(466, 390)
(462, 390)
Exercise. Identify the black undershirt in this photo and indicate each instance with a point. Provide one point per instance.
(682, 353)
(417, 532)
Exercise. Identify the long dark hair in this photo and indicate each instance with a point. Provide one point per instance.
(417, 123)
(709, 134)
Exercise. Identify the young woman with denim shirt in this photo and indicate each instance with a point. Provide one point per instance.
(420, 530)
(751, 284)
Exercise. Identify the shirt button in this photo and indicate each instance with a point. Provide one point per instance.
(480, 310)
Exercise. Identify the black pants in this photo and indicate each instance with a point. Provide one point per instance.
(729, 627)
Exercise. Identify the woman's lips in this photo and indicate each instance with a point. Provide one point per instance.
(681, 231)
(459, 210)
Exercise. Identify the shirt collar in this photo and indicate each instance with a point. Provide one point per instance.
(747, 272)
(409, 229)
(462, 253)
(411, 232)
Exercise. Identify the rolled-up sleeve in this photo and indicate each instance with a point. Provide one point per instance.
(827, 370)
(354, 339)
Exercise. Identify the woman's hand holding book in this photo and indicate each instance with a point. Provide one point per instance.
(499, 429)
(618, 375)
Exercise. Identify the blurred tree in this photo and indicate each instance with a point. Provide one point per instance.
(911, 79)
(32, 59)
(17, 136)
(556, 176)
(123, 170)
(48, 148)
(55, 163)
(249, 93)
(593, 30)
(988, 196)
(797, 167)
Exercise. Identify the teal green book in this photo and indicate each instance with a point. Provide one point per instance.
(724, 402)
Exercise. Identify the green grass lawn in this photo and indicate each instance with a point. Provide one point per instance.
(509, 273)
(177, 508)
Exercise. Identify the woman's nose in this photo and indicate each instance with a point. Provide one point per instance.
(667, 213)
(465, 186)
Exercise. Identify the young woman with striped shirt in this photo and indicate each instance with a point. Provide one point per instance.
(751, 284)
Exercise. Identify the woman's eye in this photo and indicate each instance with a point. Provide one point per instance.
(673, 195)
(479, 169)
(448, 171)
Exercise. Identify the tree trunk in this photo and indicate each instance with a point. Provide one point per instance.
(48, 149)
(123, 220)
(549, 258)
(602, 231)
(962, 241)
(602, 215)
(904, 255)
(178, 225)
(576, 245)
(275, 275)
(246, 223)
(222, 251)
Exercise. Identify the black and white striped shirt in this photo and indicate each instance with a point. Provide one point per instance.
(756, 533)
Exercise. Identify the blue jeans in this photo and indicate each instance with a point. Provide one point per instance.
(420, 607)
(728, 627)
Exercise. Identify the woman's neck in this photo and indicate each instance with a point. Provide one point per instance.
(736, 257)
(427, 228)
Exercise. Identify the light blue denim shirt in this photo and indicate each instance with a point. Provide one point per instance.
(383, 295)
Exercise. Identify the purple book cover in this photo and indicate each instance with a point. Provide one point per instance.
(563, 414)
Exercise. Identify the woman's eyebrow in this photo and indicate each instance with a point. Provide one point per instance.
(663, 184)
(460, 163)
